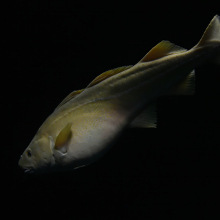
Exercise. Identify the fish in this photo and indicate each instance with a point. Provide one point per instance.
(87, 123)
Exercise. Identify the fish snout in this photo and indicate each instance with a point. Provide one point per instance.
(23, 165)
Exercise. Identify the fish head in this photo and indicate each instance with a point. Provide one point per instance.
(38, 156)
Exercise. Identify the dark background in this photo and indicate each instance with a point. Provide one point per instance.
(169, 172)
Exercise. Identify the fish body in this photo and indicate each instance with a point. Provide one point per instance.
(87, 122)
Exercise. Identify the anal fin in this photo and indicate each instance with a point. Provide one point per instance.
(147, 118)
(185, 87)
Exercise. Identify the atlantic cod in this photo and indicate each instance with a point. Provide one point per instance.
(88, 121)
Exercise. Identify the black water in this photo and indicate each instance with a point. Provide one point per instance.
(169, 172)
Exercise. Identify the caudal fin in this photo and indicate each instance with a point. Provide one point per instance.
(212, 35)
(212, 32)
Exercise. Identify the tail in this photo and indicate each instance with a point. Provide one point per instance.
(212, 35)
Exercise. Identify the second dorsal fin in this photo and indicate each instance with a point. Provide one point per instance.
(108, 74)
(164, 48)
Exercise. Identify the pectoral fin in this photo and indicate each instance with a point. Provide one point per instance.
(63, 138)
(146, 119)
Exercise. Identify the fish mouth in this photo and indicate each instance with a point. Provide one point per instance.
(28, 170)
(23, 165)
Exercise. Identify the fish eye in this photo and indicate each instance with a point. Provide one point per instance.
(29, 153)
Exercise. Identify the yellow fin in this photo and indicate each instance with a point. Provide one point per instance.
(69, 97)
(147, 118)
(164, 48)
(97, 80)
(63, 138)
(108, 74)
(185, 87)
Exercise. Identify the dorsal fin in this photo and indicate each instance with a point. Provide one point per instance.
(107, 74)
(97, 80)
(164, 48)
(69, 97)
